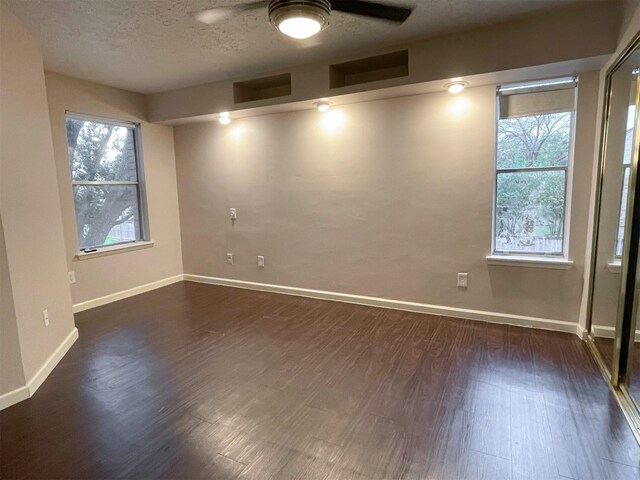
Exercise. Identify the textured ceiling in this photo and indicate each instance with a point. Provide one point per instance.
(154, 45)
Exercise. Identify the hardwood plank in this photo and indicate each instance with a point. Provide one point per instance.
(201, 381)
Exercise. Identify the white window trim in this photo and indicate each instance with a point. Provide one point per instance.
(534, 261)
(146, 241)
(541, 260)
(113, 249)
(615, 266)
(617, 257)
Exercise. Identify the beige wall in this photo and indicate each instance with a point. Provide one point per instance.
(630, 24)
(392, 203)
(29, 200)
(100, 276)
(11, 373)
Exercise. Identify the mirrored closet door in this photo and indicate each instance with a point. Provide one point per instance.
(615, 276)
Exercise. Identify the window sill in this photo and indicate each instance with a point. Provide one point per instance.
(533, 262)
(615, 266)
(101, 252)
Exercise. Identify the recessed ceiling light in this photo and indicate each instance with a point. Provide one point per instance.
(322, 106)
(225, 118)
(299, 19)
(333, 121)
(456, 87)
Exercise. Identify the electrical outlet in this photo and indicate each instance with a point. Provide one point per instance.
(260, 261)
(45, 317)
(233, 213)
(230, 258)
(462, 280)
(72, 277)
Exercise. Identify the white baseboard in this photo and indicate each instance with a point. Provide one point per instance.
(96, 302)
(581, 332)
(492, 317)
(27, 391)
(13, 397)
(41, 375)
(603, 331)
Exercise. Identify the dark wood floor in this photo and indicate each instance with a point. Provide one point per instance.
(198, 381)
(605, 347)
(634, 376)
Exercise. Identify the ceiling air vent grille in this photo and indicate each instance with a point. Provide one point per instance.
(370, 69)
(262, 88)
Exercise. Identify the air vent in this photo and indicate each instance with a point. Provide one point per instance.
(370, 69)
(262, 88)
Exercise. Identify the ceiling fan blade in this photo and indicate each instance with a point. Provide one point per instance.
(215, 15)
(372, 9)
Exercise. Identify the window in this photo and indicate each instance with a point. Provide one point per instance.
(626, 162)
(533, 158)
(108, 182)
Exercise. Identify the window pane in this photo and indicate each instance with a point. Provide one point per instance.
(534, 141)
(107, 214)
(530, 212)
(623, 212)
(100, 151)
(628, 140)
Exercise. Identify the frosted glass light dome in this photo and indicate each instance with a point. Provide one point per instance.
(299, 27)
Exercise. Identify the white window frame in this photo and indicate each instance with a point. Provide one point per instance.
(626, 167)
(145, 241)
(560, 260)
(623, 207)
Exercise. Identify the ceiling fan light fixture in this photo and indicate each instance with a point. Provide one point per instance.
(299, 27)
(299, 19)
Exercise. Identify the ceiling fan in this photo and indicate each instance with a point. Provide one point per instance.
(304, 18)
